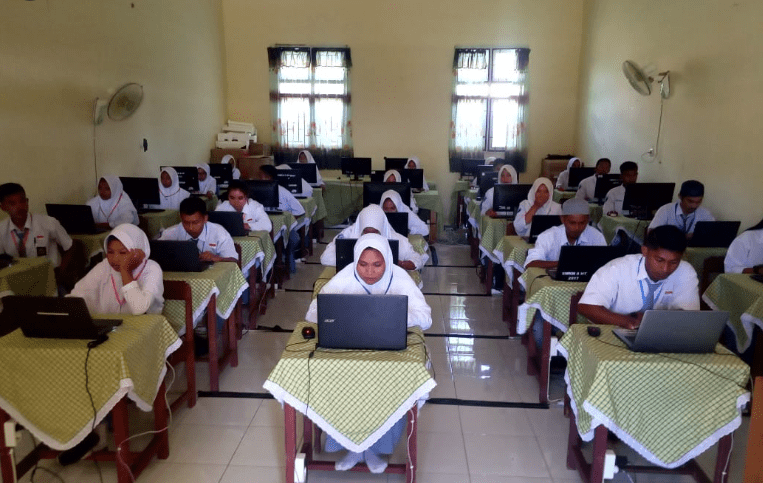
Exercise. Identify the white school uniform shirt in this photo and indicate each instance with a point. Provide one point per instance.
(254, 215)
(170, 198)
(614, 200)
(287, 202)
(487, 201)
(210, 183)
(213, 238)
(549, 208)
(745, 251)
(549, 243)
(671, 214)
(42, 240)
(587, 188)
(416, 225)
(621, 287)
(116, 210)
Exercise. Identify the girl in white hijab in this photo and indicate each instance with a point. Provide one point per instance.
(170, 192)
(305, 157)
(366, 276)
(539, 202)
(506, 175)
(372, 219)
(126, 282)
(562, 182)
(307, 190)
(392, 202)
(414, 163)
(112, 206)
(208, 185)
(230, 159)
(393, 176)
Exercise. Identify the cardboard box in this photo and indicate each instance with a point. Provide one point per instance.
(216, 154)
(249, 165)
(259, 149)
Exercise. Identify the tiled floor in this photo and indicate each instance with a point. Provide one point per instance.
(229, 440)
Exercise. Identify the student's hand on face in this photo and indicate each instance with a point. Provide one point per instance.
(247, 227)
(207, 257)
(612, 213)
(491, 213)
(134, 260)
(406, 264)
(210, 195)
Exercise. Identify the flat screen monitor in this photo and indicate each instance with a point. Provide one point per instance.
(188, 177)
(643, 199)
(507, 197)
(469, 166)
(356, 167)
(413, 176)
(579, 174)
(291, 180)
(486, 181)
(395, 163)
(142, 191)
(308, 171)
(372, 192)
(483, 169)
(223, 173)
(377, 176)
(399, 222)
(606, 183)
(264, 193)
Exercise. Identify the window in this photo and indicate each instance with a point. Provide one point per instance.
(310, 103)
(489, 102)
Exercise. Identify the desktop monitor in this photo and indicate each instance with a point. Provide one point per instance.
(356, 167)
(308, 171)
(223, 173)
(372, 192)
(486, 181)
(142, 191)
(377, 176)
(291, 180)
(579, 174)
(469, 166)
(264, 193)
(606, 183)
(643, 199)
(413, 176)
(507, 197)
(395, 163)
(188, 177)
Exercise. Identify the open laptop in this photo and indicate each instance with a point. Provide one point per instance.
(232, 221)
(372, 192)
(507, 197)
(579, 263)
(223, 174)
(604, 184)
(362, 322)
(188, 177)
(76, 219)
(395, 163)
(486, 181)
(577, 175)
(345, 254)
(177, 256)
(714, 233)
(677, 331)
(399, 222)
(542, 223)
(415, 177)
(55, 317)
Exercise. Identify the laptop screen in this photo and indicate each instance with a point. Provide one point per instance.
(372, 192)
(264, 192)
(362, 322)
(223, 174)
(399, 222)
(345, 251)
(188, 177)
(507, 197)
(308, 171)
(142, 191)
(395, 163)
(291, 180)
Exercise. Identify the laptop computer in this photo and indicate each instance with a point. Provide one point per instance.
(383, 324)
(54, 317)
(399, 222)
(232, 221)
(142, 192)
(486, 181)
(604, 184)
(372, 192)
(714, 233)
(188, 177)
(542, 223)
(415, 177)
(76, 219)
(677, 331)
(395, 163)
(177, 256)
(223, 174)
(577, 175)
(579, 263)
(345, 254)
(507, 197)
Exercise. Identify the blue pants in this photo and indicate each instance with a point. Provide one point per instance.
(291, 247)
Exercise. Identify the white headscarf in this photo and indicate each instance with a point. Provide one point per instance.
(572, 161)
(209, 184)
(512, 173)
(174, 187)
(374, 217)
(545, 182)
(228, 158)
(133, 238)
(395, 173)
(116, 210)
(415, 160)
(117, 193)
(381, 244)
(490, 160)
(309, 156)
(396, 199)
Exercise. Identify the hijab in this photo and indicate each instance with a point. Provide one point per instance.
(541, 181)
(490, 160)
(396, 199)
(209, 184)
(117, 193)
(381, 244)
(572, 161)
(393, 172)
(229, 159)
(174, 187)
(374, 217)
(415, 160)
(133, 238)
(309, 156)
(512, 172)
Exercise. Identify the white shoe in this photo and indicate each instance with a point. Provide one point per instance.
(494, 291)
(375, 463)
(349, 460)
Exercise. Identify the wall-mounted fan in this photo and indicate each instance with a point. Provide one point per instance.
(642, 82)
(122, 104)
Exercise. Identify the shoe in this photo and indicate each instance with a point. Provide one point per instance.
(349, 461)
(495, 291)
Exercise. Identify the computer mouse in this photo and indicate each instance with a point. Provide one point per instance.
(308, 333)
(594, 331)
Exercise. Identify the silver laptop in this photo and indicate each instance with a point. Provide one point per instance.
(362, 322)
(676, 331)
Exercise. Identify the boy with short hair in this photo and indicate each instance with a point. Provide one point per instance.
(613, 204)
(214, 243)
(286, 202)
(686, 212)
(587, 187)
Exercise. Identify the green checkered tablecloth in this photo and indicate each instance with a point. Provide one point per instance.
(281, 223)
(492, 231)
(635, 228)
(211, 202)
(548, 296)
(461, 187)
(696, 256)
(29, 276)
(42, 381)
(154, 223)
(595, 211)
(473, 209)
(563, 195)
(257, 247)
(93, 243)
(329, 272)
(430, 200)
(511, 253)
(742, 297)
(419, 244)
(320, 212)
(310, 206)
(354, 396)
(342, 198)
(223, 279)
(668, 407)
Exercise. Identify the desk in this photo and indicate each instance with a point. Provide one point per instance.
(635, 228)
(742, 297)
(457, 201)
(430, 200)
(647, 399)
(93, 243)
(29, 276)
(211, 202)
(283, 223)
(696, 256)
(329, 272)
(343, 198)
(563, 195)
(154, 223)
(386, 385)
(512, 252)
(310, 206)
(595, 211)
(42, 383)
(320, 211)
(257, 247)
(492, 231)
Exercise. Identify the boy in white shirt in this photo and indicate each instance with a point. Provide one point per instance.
(215, 244)
(255, 218)
(745, 254)
(287, 202)
(587, 187)
(686, 212)
(620, 291)
(613, 204)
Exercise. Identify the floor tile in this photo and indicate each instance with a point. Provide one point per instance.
(249, 474)
(161, 472)
(261, 446)
(432, 458)
(505, 455)
(495, 421)
(218, 412)
(204, 444)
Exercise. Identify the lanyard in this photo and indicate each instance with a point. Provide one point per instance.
(21, 244)
(112, 209)
(121, 302)
(684, 218)
(368, 291)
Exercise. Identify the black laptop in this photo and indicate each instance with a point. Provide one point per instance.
(345, 251)
(188, 177)
(579, 263)
(54, 317)
(309, 172)
(714, 233)
(415, 177)
(605, 183)
(223, 174)
(507, 197)
(399, 222)
(577, 175)
(76, 219)
(143, 192)
(362, 322)
(372, 192)
(177, 256)
(486, 181)
(232, 221)
(542, 223)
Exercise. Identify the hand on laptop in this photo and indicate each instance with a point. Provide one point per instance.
(209, 257)
(612, 213)
(406, 264)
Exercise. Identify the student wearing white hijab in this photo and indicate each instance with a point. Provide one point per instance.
(207, 184)
(307, 190)
(538, 202)
(374, 273)
(393, 176)
(745, 254)
(506, 175)
(126, 282)
(255, 218)
(372, 219)
(170, 192)
(230, 159)
(392, 202)
(562, 182)
(414, 163)
(112, 206)
(305, 157)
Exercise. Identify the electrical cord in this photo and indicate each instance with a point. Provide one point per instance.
(38, 467)
(90, 346)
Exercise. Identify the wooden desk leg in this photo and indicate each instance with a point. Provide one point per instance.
(214, 366)
(410, 466)
(433, 226)
(161, 422)
(124, 461)
(544, 363)
(573, 439)
(506, 303)
(290, 428)
(599, 453)
(233, 322)
(489, 277)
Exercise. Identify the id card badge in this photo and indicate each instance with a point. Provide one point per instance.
(42, 251)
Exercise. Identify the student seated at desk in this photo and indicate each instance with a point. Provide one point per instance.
(393, 176)
(372, 219)
(574, 230)
(496, 163)
(620, 291)
(414, 163)
(563, 181)
(214, 243)
(305, 157)
(207, 183)
(307, 190)
(374, 273)
(255, 218)
(538, 202)
(392, 202)
(170, 192)
(745, 255)
(112, 207)
(686, 212)
(613, 202)
(229, 159)
(587, 187)
(506, 175)
(287, 202)
(126, 281)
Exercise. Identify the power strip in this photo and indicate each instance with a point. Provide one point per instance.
(9, 430)
(610, 468)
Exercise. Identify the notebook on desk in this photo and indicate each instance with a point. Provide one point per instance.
(177, 256)
(709, 234)
(232, 221)
(676, 331)
(76, 219)
(362, 322)
(579, 263)
(345, 254)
